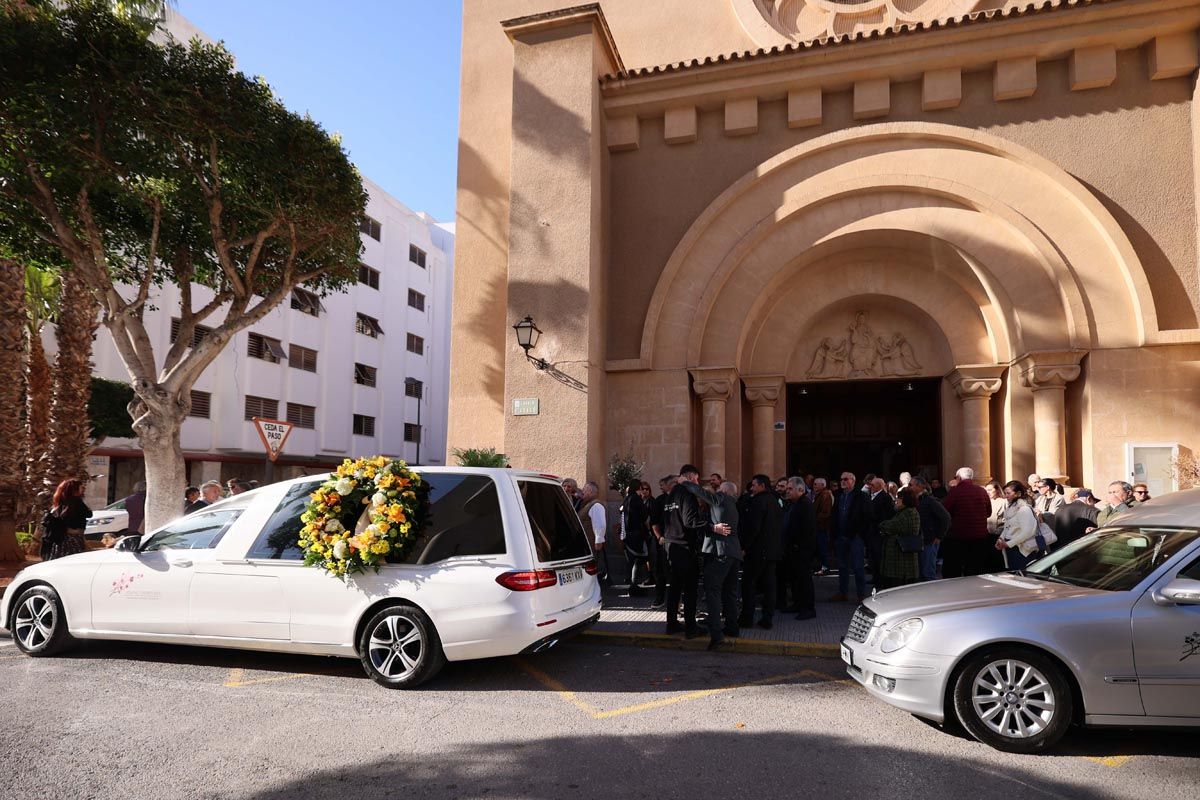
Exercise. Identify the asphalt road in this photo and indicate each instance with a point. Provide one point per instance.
(116, 720)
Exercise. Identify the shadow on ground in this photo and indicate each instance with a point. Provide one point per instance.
(723, 764)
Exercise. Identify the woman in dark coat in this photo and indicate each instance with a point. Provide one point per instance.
(63, 525)
(898, 568)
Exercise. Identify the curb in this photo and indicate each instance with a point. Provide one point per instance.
(739, 645)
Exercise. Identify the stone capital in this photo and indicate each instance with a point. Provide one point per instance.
(714, 384)
(763, 390)
(980, 381)
(1049, 369)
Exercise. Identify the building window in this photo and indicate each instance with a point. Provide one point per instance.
(266, 348)
(364, 425)
(412, 433)
(198, 332)
(413, 387)
(371, 227)
(368, 326)
(416, 299)
(416, 344)
(263, 407)
(302, 358)
(306, 301)
(368, 276)
(201, 404)
(416, 255)
(302, 416)
(364, 375)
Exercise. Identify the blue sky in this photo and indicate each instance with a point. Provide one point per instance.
(383, 73)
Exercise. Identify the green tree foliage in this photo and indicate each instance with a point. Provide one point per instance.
(138, 164)
(108, 410)
(622, 469)
(480, 457)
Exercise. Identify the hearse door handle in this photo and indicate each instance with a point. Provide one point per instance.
(183, 562)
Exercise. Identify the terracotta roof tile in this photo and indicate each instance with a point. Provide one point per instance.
(903, 29)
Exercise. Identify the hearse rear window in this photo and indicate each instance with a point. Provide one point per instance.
(558, 534)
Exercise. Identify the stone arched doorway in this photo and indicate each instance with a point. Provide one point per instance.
(998, 271)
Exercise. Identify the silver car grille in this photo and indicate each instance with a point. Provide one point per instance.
(861, 624)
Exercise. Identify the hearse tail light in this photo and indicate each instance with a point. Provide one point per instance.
(528, 580)
(591, 567)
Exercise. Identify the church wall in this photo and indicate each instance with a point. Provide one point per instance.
(652, 414)
(659, 189)
(1144, 396)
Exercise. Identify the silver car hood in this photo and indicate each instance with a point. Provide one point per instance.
(958, 594)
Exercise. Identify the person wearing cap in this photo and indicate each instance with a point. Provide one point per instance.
(1075, 516)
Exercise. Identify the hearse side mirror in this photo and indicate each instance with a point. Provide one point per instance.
(128, 544)
(1179, 592)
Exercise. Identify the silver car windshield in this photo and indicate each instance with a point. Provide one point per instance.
(1113, 559)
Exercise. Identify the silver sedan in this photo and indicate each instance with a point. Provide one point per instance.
(1105, 632)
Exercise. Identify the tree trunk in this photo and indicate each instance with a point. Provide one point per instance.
(70, 427)
(166, 472)
(12, 351)
(37, 420)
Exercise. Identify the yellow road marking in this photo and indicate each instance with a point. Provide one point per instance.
(597, 713)
(234, 679)
(1110, 761)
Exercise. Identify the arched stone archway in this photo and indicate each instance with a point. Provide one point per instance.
(1017, 262)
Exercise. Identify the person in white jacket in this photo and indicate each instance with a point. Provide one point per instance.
(1019, 528)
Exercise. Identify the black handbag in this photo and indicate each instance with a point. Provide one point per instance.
(910, 542)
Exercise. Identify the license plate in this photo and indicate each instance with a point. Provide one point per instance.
(847, 656)
(566, 576)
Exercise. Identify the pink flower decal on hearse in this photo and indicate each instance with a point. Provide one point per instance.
(123, 582)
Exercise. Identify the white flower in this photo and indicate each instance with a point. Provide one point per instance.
(333, 526)
(379, 498)
(339, 549)
(344, 486)
(371, 530)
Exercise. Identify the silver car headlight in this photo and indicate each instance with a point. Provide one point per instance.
(899, 636)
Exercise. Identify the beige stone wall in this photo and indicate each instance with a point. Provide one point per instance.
(482, 338)
(1149, 190)
(551, 224)
(1148, 396)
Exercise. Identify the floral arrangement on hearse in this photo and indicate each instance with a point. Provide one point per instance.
(370, 511)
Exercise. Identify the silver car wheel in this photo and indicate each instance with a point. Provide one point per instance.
(1013, 699)
(35, 621)
(396, 646)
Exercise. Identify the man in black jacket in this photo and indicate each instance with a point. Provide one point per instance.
(800, 549)
(685, 526)
(762, 540)
(852, 520)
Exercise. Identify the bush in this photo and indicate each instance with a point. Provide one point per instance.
(24, 538)
(480, 457)
(622, 469)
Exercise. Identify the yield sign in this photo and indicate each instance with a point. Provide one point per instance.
(273, 433)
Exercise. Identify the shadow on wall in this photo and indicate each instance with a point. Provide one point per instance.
(492, 210)
(731, 763)
(1172, 300)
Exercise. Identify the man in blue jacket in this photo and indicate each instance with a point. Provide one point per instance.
(852, 520)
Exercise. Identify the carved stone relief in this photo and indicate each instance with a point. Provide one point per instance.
(862, 354)
(806, 20)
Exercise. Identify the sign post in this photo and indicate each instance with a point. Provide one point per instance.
(274, 434)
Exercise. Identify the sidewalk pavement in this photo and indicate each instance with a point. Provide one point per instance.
(630, 620)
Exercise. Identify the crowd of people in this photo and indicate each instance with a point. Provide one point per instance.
(64, 524)
(754, 551)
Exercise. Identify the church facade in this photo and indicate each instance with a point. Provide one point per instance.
(812, 235)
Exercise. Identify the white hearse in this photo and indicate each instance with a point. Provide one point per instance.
(503, 567)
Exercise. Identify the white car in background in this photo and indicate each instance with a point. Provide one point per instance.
(112, 519)
(503, 567)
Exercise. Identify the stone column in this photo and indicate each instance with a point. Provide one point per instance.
(1048, 374)
(714, 387)
(763, 393)
(975, 386)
